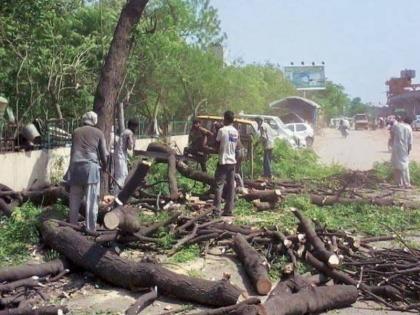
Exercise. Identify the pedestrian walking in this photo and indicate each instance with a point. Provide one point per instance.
(88, 153)
(226, 142)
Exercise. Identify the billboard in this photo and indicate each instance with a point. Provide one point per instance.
(306, 77)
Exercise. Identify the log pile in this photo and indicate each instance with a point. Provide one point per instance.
(349, 265)
(24, 288)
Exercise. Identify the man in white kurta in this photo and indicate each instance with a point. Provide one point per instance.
(402, 136)
(124, 144)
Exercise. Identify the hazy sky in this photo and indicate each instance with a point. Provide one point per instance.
(363, 42)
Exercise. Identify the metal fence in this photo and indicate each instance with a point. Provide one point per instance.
(57, 133)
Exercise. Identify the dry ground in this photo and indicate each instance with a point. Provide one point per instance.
(360, 149)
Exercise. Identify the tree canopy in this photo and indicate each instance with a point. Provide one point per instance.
(52, 51)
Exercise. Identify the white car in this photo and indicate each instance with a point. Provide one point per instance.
(279, 129)
(416, 123)
(302, 130)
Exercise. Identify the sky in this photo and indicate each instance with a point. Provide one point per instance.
(362, 42)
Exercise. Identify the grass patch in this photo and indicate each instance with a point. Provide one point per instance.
(289, 163)
(186, 254)
(361, 218)
(384, 171)
(17, 234)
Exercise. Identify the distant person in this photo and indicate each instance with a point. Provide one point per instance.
(226, 143)
(401, 139)
(344, 127)
(124, 144)
(198, 139)
(267, 139)
(88, 153)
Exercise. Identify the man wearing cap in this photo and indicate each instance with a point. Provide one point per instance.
(88, 153)
(227, 141)
(267, 140)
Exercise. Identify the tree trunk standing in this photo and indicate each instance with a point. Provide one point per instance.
(113, 70)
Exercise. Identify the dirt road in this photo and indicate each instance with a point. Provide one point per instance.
(360, 150)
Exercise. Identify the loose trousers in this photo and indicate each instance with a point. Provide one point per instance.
(268, 153)
(402, 177)
(225, 174)
(77, 193)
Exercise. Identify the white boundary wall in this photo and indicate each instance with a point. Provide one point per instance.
(32, 169)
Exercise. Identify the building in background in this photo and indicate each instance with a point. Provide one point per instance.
(403, 96)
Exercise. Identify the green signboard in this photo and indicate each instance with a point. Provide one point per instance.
(306, 77)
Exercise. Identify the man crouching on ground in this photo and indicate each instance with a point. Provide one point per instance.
(226, 142)
(88, 152)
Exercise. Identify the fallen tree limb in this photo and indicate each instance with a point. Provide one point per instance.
(320, 250)
(171, 160)
(254, 264)
(272, 196)
(228, 309)
(193, 174)
(42, 310)
(26, 271)
(136, 180)
(341, 277)
(27, 283)
(131, 275)
(142, 302)
(312, 300)
(150, 230)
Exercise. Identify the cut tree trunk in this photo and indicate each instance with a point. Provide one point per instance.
(255, 265)
(142, 302)
(171, 160)
(131, 275)
(136, 180)
(263, 195)
(320, 251)
(263, 205)
(25, 271)
(193, 174)
(312, 300)
(125, 218)
(341, 277)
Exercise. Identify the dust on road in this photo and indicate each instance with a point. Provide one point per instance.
(360, 150)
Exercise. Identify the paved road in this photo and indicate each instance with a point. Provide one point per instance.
(360, 150)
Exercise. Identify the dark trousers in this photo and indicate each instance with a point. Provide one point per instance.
(268, 154)
(225, 174)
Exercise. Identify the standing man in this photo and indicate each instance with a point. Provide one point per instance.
(267, 140)
(88, 153)
(124, 144)
(198, 143)
(226, 142)
(401, 139)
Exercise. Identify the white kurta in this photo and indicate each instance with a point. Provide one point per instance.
(125, 143)
(402, 140)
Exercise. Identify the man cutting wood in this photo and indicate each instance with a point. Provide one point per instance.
(88, 153)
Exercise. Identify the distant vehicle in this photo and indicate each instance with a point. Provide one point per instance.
(279, 128)
(416, 123)
(302, 130)
(361, 121)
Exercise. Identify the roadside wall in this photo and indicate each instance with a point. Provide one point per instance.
(33, 169)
